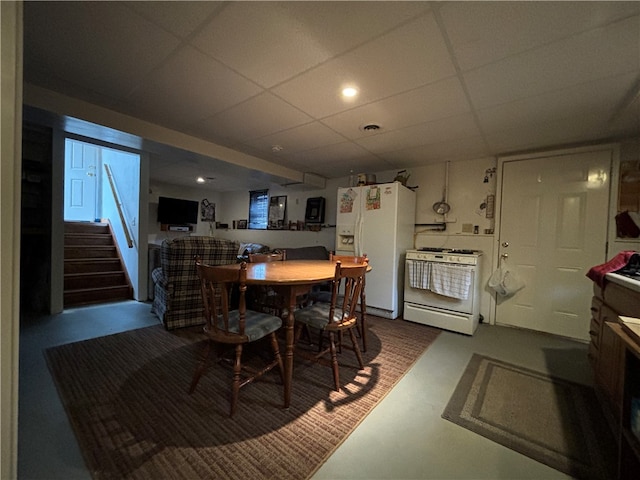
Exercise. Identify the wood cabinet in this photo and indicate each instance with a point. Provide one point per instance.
(615, 358)
(629, 466)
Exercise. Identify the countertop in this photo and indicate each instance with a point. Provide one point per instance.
(630, 283)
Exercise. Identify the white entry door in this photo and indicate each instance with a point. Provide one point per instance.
(80, 180)
(553, 228)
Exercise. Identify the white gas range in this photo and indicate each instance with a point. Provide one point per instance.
(442, 288)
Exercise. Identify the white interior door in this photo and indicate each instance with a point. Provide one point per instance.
(553, 227)
(80, 180)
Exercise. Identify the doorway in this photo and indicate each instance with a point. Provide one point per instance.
(553, 228)
(104, 183)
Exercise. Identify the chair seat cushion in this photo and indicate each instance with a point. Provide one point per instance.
(257, 324)
(317, 315)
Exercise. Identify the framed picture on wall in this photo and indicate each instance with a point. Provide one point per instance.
(277, 212)
(207, 211)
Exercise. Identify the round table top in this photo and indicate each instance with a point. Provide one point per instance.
(291, 272)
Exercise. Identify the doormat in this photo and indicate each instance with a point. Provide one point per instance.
(554, 421)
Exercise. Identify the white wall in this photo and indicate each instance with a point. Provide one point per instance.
(125, 170)
(10, 146)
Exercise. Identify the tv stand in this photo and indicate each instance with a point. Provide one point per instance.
(176, 228)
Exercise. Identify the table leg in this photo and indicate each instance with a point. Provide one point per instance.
(288, 358)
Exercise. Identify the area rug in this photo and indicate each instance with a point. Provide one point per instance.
(126, 397)
(554, 421)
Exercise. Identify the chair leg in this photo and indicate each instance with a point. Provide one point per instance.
(237, 369)
(334, 361)
(201, 366)
(362, 331)
(276, 353)
(363, 320)
(356, 348)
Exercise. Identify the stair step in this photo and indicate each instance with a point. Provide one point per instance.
(90, 251)
(86, 227)
(87, 296)
(93, 271)
(87, 239)
(88, 265)
(76, 281)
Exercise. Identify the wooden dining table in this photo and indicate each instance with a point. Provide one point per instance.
(293, 278)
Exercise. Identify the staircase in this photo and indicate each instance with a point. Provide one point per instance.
(93, 269)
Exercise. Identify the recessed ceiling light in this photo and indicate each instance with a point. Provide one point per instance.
(349, 92)
(205, 179)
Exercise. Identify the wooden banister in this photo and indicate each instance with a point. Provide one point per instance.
(119, 206)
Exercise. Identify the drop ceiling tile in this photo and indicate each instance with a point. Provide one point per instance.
(626, 123)
(339, 160)
(406, 58)
(103, 46)
(271, 42)
(461, 149)
(180, 18)
(610, 51)
(305, 137)
(431, 102)
(261, 115)
(548, 134)
(457, 127)
(484, 32)
(599, 97)
(192, 86)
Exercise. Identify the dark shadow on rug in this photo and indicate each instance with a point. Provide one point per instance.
(554, 421)
(126, 396)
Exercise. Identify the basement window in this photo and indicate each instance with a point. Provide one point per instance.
(258, 209)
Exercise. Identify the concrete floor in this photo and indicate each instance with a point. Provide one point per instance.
(403, 438)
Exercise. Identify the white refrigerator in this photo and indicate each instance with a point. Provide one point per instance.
(378, 220)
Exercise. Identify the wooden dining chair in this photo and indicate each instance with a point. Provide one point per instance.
(325, 296)
(267, 257)
(263, 297)
(235, 327)
(336, 316)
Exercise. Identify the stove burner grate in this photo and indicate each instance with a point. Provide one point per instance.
(460, 251)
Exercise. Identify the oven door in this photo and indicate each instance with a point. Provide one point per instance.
(427, 298)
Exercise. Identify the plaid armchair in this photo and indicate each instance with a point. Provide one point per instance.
(177, 299)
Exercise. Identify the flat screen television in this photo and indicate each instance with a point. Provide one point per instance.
(175, 211)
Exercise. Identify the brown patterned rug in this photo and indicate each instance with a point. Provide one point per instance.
(126, 396)
(554, 421)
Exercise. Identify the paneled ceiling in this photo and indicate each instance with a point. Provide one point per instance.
(444, 81)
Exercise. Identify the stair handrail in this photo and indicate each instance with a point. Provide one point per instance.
(118, 206)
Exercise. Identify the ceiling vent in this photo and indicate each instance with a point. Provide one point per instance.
(370, 127)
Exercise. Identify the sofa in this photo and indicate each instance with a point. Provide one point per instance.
(177, 298)
(316, 252)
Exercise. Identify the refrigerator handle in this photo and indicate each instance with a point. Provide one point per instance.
(358, 235)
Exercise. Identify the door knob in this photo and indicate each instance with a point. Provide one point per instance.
(505, 244)
(504, 255)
